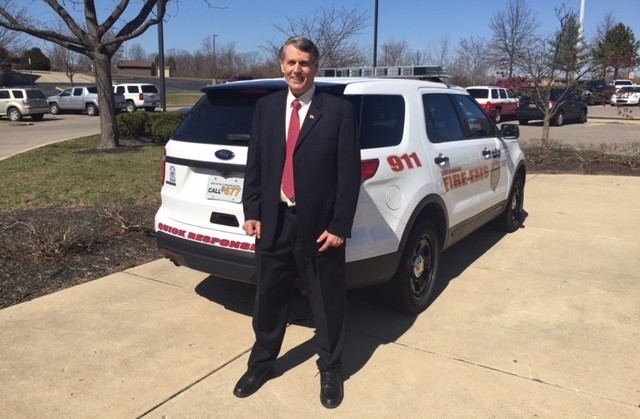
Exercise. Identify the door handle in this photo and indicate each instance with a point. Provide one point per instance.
(486, 153)
(441, 159)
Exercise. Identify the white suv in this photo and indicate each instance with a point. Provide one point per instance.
(434, 169)
(498, 102)
(139, 95)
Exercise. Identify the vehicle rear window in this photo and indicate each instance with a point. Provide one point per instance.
(380, 119)
(149, 88)
(479, 93)
(35, 94)
(223, 117)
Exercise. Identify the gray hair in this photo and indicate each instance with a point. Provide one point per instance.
(303, 44)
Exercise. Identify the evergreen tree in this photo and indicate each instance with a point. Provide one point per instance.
(572, 53)
(618, 50)
(39, 61)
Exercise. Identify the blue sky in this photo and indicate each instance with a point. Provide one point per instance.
(422, 23)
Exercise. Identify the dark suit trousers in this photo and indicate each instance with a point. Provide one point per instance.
(323, 275)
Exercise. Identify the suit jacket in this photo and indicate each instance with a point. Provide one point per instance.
(326, 168)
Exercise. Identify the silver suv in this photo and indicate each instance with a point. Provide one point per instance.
(139, 95)
(435, 168)
(17, 102)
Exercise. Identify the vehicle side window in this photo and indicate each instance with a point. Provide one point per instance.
(503, 94)
(77, 92)
(441, 118)
(476, 121)
(510, 94)
(494, 94)
(381, 119)
(149, 88)
(17, 94)
(133, 89)
(4, 94)
(66, 93)
(120, 90)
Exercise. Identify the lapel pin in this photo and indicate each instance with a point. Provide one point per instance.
(311, 116)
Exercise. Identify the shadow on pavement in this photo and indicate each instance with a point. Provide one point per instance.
(371, 320)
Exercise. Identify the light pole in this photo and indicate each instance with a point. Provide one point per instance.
(213, 41)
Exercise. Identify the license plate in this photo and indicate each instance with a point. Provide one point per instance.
(225, 189)
(532, 105)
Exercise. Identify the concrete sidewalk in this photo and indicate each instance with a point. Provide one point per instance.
(544, 323)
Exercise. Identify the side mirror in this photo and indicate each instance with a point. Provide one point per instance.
(510, 131)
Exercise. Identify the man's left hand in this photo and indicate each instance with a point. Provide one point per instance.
(330, 240)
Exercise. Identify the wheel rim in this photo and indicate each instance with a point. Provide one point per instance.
(560, 119)
(14, 115)
(516, 203)
(421, 268)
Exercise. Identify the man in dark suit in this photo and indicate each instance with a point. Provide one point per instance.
(300, 195)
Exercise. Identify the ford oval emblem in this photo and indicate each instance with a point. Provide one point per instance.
(225, 154)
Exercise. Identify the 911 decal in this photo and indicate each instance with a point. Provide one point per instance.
(398, 163)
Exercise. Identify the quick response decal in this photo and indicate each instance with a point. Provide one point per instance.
(202, 238)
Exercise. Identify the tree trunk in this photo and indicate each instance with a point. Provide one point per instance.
(109, 135)
(545, 129)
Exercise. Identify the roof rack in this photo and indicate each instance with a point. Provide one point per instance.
(423, 72)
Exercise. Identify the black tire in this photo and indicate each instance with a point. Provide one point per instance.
(14, 114)
(54, 108)
(413, 284)
(583, 117)
(150, 109)
(513, 215)
(498, 116)
(523, 121)
(131, 107)
(558, 121)
(92, 110)
(37, 117)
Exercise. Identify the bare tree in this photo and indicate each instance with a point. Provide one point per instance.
(395, 53)
(514, 30)
(98, 41)
(472, 61)
(542, 61)
(440, 52)
(332, 30)
(63, 59)
(136, 52)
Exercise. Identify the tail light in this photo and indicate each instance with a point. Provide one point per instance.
(552, 103)
(140, 96)
(368, 169)
(164, 164)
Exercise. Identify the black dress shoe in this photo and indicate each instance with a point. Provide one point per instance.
(251, 382)
(331, 389)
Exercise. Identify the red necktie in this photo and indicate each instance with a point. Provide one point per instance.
(292, 139)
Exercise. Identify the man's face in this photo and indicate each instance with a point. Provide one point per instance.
(299, 70)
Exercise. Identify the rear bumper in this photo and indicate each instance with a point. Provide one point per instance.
(240, 266)
(226, 263)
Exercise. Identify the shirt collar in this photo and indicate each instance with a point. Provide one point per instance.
(305, 99)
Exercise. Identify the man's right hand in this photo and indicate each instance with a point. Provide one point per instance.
(253, 228)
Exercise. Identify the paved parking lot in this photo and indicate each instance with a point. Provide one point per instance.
(544, 323)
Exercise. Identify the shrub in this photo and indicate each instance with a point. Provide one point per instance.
(159, 126)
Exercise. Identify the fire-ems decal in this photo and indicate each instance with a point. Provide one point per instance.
(406, 161)
(212, 240)
(456, 177)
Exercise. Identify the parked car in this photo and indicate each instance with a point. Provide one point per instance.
(565, 105)
(237, 78)
(622, 82)
(598, 90)
(139, 95)
(17, 102)
(626, 95)
(80, 98)
(498, 102)
(435, 167)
